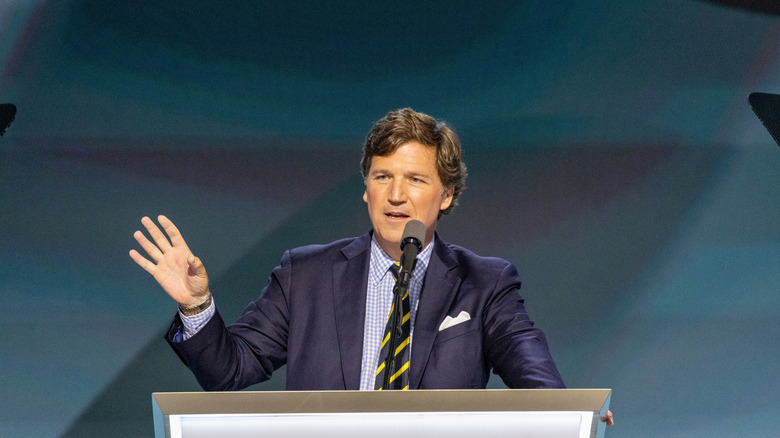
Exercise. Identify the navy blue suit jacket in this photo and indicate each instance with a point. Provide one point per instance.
(311, 316)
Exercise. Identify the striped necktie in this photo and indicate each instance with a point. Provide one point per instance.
(399, 363)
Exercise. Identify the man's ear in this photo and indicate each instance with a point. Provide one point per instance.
(446, 199)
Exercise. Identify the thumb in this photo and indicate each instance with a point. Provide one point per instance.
(198, 279)
(195, 266)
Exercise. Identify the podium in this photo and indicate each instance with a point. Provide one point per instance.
(538, 413)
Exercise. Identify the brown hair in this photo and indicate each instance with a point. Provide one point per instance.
(401, 126)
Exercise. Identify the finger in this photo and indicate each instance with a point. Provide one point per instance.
(148, 246)
(172, 232)
(159, 238)
(142, 262)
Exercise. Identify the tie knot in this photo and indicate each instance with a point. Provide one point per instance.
(395, 268)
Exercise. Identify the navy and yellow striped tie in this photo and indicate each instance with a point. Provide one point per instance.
(399, 363)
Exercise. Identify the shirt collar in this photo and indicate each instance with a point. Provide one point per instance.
(379, 265)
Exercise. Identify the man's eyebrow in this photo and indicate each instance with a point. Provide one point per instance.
(406, 174)
(417, 173)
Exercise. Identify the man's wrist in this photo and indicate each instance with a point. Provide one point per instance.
(194, 310)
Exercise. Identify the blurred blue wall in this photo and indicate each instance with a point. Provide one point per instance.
(612, 154)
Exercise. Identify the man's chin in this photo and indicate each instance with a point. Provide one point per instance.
(389, 240)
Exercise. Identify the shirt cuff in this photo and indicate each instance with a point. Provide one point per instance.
(193, 324)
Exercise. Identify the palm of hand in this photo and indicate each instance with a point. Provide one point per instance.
(178, 278)
(172, 264)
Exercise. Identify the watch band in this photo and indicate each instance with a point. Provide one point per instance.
(190, 311)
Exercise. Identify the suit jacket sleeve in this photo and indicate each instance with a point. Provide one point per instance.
(517, 350)
(231, 358)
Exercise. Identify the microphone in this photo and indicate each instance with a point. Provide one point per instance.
(411, 245)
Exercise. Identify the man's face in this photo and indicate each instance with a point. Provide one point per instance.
(404, 186)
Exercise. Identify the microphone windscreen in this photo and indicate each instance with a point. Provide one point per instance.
(414, 228)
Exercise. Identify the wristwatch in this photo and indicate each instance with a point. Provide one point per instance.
(191, 311)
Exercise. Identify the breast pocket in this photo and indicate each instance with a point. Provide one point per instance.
(455, 331)
(457, 360)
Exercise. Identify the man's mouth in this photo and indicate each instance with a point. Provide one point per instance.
(396, 215)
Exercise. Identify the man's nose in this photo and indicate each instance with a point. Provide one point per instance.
(397, 192)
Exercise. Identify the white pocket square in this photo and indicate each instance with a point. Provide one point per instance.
(449, 321)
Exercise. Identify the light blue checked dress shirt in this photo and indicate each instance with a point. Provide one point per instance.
(378, 301)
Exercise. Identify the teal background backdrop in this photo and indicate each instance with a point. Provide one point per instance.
(612, 154)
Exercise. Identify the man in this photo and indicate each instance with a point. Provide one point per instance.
(324, 310)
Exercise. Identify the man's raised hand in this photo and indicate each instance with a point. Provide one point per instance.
(172, 264)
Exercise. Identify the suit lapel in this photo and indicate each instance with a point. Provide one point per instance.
(442, 280)
(350, 276)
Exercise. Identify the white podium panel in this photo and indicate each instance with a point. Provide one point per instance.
(538, 413)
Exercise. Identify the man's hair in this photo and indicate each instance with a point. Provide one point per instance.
(401, 126)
